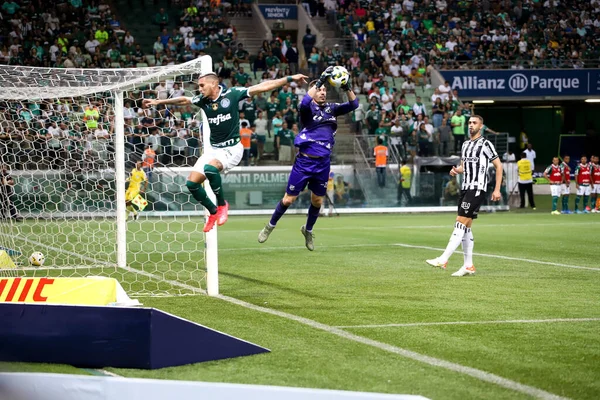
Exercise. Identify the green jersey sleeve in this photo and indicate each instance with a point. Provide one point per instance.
(239, 93)
(196, 100)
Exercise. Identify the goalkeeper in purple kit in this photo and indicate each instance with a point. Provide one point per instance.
(314, 144)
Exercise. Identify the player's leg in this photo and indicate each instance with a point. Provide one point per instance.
(280, 209)
(224, 159)
(468, 241)
(586, 197)
(555, 191)
(596, 204)
(317, 184)
(296, 184)
(578, 199)
(129, 196)
(566, 190)
(468, 206)
(194, 185)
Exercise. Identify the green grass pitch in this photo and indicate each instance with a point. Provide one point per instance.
(366, 277)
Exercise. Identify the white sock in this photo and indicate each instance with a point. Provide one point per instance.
(455, 241)
(467, 246)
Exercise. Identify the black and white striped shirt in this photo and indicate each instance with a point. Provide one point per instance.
(476, 158)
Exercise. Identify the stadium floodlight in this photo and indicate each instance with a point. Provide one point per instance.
(483, 101)
(592, 100)
(74, 135)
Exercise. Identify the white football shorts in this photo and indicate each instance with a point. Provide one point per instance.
(566, 189)
(556, 190)
(584, 190)
(230, 157)
(596, 188)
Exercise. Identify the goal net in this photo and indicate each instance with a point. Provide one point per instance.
(69, 139)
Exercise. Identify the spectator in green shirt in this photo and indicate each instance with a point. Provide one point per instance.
(241, 77)
(161, 19)
(272, 60)
(458, 130)
(10, 7)
(284, 141)
(241, 55)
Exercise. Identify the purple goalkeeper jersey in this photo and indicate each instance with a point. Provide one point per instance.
(320, 123)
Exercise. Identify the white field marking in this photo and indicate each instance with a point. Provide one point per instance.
(509, 321)
(108, 264)
(502, 257)
(359, 245)
(379, 228)
(436, 362)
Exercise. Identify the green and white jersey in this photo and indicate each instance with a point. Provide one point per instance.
(223, 115)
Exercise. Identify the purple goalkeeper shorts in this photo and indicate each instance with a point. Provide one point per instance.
(313, 172)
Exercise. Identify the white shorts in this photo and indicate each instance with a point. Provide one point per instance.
(230, 157)
(566, 189)
(596, 188)
(556, 190)
(584, 190)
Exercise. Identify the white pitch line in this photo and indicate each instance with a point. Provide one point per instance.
(436, 362)
(502, 257)
(510, 321)
(361, 245)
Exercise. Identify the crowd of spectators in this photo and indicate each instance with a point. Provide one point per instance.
(52, 33)
(471, 34)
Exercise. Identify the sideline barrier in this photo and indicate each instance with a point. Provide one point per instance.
(121, 337)
(23, 386)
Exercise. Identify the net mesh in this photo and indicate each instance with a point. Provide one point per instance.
(57, 148)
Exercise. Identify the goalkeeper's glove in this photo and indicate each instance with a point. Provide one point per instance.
(347, 86)
(324, 77)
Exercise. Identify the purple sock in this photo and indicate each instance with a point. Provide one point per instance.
(278, 213)
(313, 214)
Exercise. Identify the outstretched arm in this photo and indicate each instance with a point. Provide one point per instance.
(349, 106)
(177, 101)
(276, 83)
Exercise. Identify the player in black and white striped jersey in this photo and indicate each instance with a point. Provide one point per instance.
(476, 156)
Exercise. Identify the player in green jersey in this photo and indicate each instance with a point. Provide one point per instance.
(221, 108)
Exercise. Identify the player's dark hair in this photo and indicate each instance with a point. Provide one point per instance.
(244, 124)
(523, 155)
(313, 83)
(479, 117)
(211, 76)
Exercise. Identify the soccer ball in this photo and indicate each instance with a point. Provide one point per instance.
(37, 259)
(339, 76)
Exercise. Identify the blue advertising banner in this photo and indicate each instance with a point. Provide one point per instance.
(525, 83)
(279, 11)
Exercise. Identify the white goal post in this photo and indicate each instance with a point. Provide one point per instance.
(70, 169)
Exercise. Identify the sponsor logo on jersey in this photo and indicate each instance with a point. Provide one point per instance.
(214, 106)
(292, 187)
(471, 159)
(225, 103)
(219, 118)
